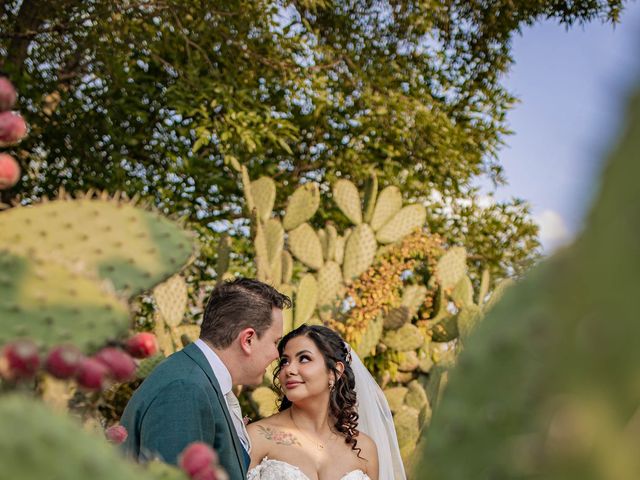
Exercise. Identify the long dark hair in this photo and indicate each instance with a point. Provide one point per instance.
(342, 397)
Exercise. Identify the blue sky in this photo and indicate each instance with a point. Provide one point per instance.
(572, 87)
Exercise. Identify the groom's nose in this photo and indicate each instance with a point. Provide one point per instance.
(274, 356)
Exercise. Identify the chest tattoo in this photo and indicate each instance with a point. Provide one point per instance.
(278, 436)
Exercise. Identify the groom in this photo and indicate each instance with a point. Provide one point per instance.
(189, 396)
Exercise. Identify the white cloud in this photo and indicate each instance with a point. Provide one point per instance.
(553, 230)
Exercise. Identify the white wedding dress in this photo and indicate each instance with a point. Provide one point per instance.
(277, 470)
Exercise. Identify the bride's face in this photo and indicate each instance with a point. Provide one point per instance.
(303, 373)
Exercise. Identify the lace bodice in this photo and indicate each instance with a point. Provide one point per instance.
(277, 470)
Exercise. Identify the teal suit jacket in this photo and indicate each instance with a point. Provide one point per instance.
(179, 403)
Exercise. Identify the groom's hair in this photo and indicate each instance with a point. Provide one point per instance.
(238, 304)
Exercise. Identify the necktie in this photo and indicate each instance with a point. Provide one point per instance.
(236, 416)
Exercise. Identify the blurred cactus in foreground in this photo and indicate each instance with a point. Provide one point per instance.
(68, 270)
(44, 445)
(548, 385)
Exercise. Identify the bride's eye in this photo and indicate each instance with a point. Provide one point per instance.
(283, 361)
(304, 358)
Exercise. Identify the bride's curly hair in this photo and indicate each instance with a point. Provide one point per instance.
(342, 397)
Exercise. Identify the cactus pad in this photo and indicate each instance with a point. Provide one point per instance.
(346, 196)
(416, 396)
(407, 425)
(146, 366)
(302, 205)
(304, 244)
(370, 196)
(262, 253)
(306, 300)
(50, 304)
(332, 238)
(338, 254)
(462, 293)
(402, 223)
(467, 319)
(388, 204)
(408, 361)
(485, 282)
(329, 283)
(287, 313)
(358, 252)
(224, 253)
(366, 344)
(266, 400)
(42, 444)
(451, 267)
(274, 237)
(445, 330)
(443, 354)
(263, 192)
(163, 335)
(408, 337)
(171, 298)
(287, 267)
(396, 317)
(183, 335)
(413, 297)
(395, 397)
(131, 247)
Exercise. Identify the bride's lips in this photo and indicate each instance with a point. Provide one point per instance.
(292, 384)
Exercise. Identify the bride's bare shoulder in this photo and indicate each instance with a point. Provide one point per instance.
(367, 446)
(369, 454)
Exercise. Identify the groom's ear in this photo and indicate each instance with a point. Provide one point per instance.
(247, 337)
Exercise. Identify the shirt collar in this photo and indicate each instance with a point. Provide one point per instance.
(220, 370)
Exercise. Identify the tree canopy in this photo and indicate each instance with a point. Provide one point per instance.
(160, 98)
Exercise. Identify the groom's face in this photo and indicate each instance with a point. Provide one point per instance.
(265, 349)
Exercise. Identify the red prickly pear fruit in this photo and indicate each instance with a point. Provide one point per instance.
(9, 171)
(8, 94)
(116, 434)
(63, 361)
(197, 458)
(142, 345)
(209, 473)
(121, 366)
(22, 359)
(91, 374)
(13, 128)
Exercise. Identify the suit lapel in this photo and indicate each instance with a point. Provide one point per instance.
(198, 357)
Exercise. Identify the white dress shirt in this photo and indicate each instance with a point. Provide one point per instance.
(223, 376)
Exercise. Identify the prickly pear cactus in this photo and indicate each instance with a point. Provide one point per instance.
(547, 385)
(131, 247)
(62, 259)
(43, 300)
(171, 298)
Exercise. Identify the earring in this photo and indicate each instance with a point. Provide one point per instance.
(330, 385)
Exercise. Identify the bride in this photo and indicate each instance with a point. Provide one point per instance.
(334, 422)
